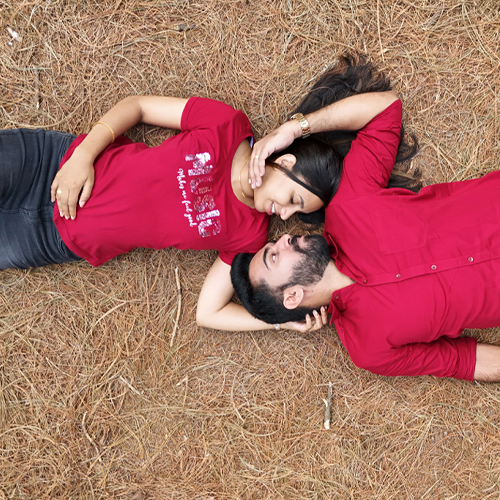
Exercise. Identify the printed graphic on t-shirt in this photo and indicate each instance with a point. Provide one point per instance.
(199, 207)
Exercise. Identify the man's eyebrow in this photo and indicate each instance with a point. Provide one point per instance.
(264, 258)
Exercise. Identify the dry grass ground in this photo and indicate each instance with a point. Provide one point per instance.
(94, 404)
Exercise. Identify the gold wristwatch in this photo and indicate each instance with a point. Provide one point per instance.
(304, 124)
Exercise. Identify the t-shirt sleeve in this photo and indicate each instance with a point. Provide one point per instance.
(444, 357)
(252, 245)
(373, 153)
(227, 257)
(202, 113)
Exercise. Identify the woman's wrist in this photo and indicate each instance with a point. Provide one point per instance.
(85, 154)
(294, 127)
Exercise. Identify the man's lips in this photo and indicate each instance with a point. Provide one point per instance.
(271, 209)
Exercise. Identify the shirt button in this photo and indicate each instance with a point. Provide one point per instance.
(433, 267)
(470, 259)
(398, 276)
(365, 281)
(336, 296)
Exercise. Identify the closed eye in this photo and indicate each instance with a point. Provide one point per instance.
(300, 202)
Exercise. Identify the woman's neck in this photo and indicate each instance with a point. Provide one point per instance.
(239, 174)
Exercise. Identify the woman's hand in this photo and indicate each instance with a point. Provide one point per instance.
(277, 140)
(309, 325)
(73, 184)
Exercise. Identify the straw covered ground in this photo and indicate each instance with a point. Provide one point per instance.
(95, 404)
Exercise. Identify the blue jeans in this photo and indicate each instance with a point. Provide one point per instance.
(29, 161)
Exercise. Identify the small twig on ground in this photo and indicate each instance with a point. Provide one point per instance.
(37, 89)
(328, 406)
(179, 302)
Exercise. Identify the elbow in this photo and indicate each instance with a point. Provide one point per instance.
(393, 96)
(199, 318)
(202, 319)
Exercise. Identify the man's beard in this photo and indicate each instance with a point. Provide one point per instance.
(314, 262)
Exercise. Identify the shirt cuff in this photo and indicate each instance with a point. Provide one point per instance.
(466, 358)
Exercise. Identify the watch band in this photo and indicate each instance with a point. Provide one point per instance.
(304, 124)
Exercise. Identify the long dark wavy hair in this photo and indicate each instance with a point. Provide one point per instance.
(319, 158)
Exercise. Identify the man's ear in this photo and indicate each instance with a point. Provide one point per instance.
(287, 161)
(292, 297)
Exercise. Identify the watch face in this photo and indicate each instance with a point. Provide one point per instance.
(304, 124)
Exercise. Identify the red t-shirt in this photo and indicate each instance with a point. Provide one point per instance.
(425, 266)
(177, 194)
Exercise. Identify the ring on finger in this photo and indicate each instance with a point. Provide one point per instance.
(59, 191)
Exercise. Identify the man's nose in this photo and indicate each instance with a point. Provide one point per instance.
(284, 241)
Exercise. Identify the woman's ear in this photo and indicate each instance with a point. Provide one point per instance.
(287, 161)
(292, 297)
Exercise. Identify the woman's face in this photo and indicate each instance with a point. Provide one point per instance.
(281, 195)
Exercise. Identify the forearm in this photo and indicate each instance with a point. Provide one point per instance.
(351, 113)
(154, 110)
(487, 363)
(232, 318)
(124, 115)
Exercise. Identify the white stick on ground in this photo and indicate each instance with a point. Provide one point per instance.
(328, 406)
(179, 302)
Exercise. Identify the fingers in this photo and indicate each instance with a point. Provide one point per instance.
(72, 201)
(62, 202)
(53, 190)
(70, 193)
(317, 321)
(320, 318)
(310, 323)
(66, 202)
(256, 166)
(86, 192)
(324, 315)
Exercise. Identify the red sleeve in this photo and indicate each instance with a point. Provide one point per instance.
(373, 153)
(444, 357)
(202, 113)
(227, 256)
(255, 238)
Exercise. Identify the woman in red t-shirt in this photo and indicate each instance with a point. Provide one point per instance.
(302, 178)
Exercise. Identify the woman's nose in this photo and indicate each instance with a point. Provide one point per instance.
(286, 213)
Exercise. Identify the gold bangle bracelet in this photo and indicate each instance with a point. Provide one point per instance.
(109, 128)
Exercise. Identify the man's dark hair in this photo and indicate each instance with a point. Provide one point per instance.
(266, 303)
(261, 301)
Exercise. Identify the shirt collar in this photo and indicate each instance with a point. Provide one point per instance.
(332, 246)
(332, 309)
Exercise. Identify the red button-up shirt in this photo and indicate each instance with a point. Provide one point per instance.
(425, 265)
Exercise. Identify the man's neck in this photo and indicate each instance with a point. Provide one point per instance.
(337, 279)
(331, 281)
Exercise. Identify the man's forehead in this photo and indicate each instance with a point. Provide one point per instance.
(257, 268)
